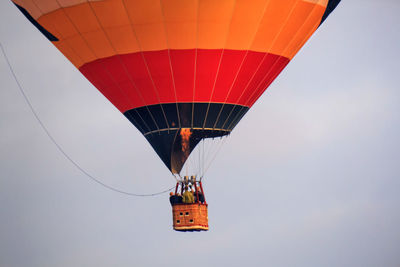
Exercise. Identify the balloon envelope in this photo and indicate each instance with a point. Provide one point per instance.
(179, 70)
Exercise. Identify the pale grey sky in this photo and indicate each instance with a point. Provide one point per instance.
(310, 176)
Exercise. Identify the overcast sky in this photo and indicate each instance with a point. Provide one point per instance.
(309, 177)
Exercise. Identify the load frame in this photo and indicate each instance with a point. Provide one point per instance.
(189, 217)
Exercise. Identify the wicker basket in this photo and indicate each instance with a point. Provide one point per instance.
(190, 217)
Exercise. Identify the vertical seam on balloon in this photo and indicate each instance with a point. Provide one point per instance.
(131, 24)
(259, 65)
(219, 64)
(94, 54)
(170, 63)
(244, 58)
(313, 28)
(276, 61)
(195, 59)
(119, 58)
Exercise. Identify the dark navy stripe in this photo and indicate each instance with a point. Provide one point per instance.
(332, 4)
(154, 118)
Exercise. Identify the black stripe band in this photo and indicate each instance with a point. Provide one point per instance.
(162, 117)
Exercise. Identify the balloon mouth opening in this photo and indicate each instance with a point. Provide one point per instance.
(187, 139)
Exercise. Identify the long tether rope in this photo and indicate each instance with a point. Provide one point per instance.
(61, 149)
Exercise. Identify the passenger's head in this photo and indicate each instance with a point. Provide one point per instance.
(171, 193)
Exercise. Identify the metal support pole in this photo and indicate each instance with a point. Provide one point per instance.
(176, 188)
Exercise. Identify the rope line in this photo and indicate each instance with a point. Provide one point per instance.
(61, 149)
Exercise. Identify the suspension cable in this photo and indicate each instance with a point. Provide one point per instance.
(61, 149)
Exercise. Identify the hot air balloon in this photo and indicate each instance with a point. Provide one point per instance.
(184, 72)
